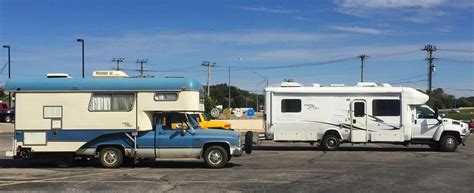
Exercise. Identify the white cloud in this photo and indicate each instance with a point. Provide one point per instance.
(357, 29)
(389, 3)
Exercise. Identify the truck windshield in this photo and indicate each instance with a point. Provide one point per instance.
(192, 122)
(423, 112)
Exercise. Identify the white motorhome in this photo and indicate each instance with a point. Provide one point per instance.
(365, 113)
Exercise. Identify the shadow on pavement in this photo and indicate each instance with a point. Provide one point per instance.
(10, 163)
(314, 148)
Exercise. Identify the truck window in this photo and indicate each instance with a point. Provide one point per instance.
(173, 121)
(424, 113)
(112, 102)
(290, 105)
(359, 109)
(386, 107)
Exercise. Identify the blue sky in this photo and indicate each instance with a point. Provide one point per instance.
(175, 36)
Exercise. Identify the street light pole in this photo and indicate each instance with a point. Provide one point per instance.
(82, 43)
(9, 75)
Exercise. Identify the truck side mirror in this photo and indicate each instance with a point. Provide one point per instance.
(437, 116)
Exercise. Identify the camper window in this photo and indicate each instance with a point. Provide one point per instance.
(290, 105)
(166, 96)
(111, 102)
(386, 107)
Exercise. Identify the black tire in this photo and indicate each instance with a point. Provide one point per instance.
(111, 157)
(330, 142)
(448, 143)
(216, 157)
(248, 142)
(8, 119)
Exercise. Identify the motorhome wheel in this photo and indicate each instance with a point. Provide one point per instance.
(330, 142)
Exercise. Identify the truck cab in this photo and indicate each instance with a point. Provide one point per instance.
(206, 123)
(175, 136)
(440, 133)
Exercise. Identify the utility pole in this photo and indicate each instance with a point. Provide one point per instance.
(209, 66)
(430, 49)
(117, 60)
(229, 87)
(362, 58)
(141, 62)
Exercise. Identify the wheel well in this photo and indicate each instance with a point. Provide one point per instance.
(334, 132)
(452, 133)
(222, 144)
(121, 148)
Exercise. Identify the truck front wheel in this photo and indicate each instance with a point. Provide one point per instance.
(448, 143)
(111, 157)
(216, 157)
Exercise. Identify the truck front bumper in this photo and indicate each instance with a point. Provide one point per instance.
(237, 151)
(465, 136)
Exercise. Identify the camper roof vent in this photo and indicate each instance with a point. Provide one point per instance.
(290, 84)
(109, 74)
(57, 75)
(386, 85)
(337, 85)
(316, 85)
(366, 84)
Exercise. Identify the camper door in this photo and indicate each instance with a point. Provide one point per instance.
(358, 121)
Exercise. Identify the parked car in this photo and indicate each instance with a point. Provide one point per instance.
(205, 123)
(471, 125)
(6, 114)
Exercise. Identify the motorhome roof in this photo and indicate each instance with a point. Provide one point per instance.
(100, 84)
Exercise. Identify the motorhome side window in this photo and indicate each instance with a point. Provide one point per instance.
(111, 102)
(166, 96)
(386, 107)
(290, 105)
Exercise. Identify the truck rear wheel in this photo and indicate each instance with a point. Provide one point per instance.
(330, 142)
(111, 157)
(448, 143)
(216, 157)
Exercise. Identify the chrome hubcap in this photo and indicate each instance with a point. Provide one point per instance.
(331, 142)
(215, 157)
(450, 142)
(110, 157)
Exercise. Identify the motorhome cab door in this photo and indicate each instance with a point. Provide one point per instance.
(358, 121)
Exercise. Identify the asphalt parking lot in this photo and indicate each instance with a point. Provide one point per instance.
(271, 168)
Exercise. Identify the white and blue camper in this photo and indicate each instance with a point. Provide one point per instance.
(115, 120)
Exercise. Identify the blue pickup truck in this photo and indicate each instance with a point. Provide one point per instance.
(176, 135)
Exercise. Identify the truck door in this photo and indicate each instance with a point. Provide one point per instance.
(358, 121)
(173, 139)
(425, 124)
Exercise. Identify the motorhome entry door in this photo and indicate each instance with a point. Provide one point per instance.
(358, 121)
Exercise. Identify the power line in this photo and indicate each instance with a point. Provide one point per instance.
(411, 81)
(408, 78)
(392, 54)
(456, 50)
(456, 60)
